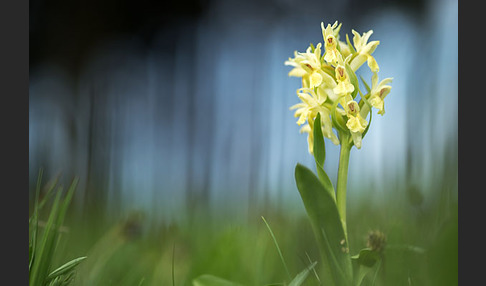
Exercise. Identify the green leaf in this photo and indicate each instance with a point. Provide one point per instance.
(313, 269)
(326, 224)
(312, 47)
(351, 48)
(37, 190)
(353, 79)
(211, 280)
(31, 254)
(62, 280)
(366, 257)
(43, 254)
(319, 145)
(67, 201)
(46, 247)
(300, 278)
(325, 181)
(65, 268)
(364, 270)
(33, 221)
(49, 192)
(320, 156)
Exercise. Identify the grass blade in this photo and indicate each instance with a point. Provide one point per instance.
(278, 248)
(314, 269)
(45, 250)
(65, 268)
(66, 202)
(173, 257)
(300, 278)
(33, 223)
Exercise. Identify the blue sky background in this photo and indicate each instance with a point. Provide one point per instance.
(201, 110)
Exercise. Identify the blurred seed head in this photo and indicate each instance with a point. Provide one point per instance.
(132, 227)
(376, 240)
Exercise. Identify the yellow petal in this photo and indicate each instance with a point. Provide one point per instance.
(356, 139)
(356, 39)
(302, 118)
(369, 48)
(343, 88)
(331, 56)
(328, 80)
(373, 64)
(298, 105)
(298, 72)
(315, 79)
(357, 62)
(356, 124)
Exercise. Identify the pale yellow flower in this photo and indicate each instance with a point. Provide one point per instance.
(310, 137)
(330, 35)
(378, 93)
(326, 127)
(298, 70)
(329, 83)
(326, 88)
(310, 105)
(308, 66)
(344, 85)
(307, 110)
(364, 50)
(355, 123)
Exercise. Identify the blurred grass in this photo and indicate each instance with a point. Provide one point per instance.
(421, 249)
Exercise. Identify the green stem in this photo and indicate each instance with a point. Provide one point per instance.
(343, 179)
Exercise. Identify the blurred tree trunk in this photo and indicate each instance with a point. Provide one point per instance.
(98, 155)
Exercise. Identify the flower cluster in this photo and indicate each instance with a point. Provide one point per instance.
(330, 86)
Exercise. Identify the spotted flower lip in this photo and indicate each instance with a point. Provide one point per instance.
(308, 66)
(344, 85)
(330, 34)
(356, 123)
